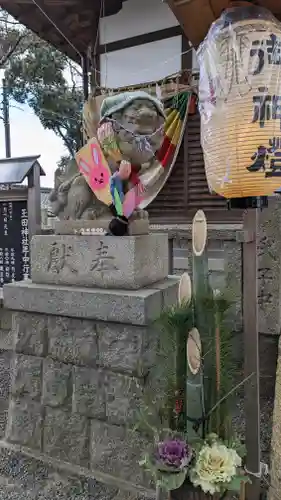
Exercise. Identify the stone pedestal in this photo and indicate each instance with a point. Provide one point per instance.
(136, 227)
(80, 364)
(130, 262)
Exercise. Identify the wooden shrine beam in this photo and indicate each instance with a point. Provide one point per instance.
(154, 36)
(195, 18)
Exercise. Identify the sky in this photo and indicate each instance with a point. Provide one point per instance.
(28, 138)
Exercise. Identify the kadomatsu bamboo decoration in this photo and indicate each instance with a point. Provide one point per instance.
(203, 309)
(193, 359)
(195, 455)
(210, 307)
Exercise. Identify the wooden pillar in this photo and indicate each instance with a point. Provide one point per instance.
(171, 255)
(251, 349)
(34, 200)
(95, 54)
(85, 73)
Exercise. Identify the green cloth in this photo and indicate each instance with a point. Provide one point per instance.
(118, 102)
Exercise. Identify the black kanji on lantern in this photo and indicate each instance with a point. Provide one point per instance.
(260, 156)
(266, 107)
(268, 159)
(266, 51)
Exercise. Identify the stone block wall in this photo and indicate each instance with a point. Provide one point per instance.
(224, 251)
(75, 389)
(6, 356)
(224, 259)
(5, 327)
(72, 387)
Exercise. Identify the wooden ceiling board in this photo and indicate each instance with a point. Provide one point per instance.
(196, 16)
(74, 18)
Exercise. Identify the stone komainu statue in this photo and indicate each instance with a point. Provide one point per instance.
(131, 127)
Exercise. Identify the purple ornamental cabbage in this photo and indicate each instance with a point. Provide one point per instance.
(174, 453)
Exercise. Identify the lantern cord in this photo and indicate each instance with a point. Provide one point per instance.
(57, 28)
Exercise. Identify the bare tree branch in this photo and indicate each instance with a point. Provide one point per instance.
(10, 52)
(73, 68)
(7, 21)
(65, 140)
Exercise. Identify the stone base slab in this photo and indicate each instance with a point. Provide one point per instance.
(136, 227)
(129, 262)
(136, 307)
(36, 475)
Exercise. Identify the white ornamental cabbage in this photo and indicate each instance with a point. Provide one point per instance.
(215, 465)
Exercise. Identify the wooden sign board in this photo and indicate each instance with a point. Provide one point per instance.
(14, 242)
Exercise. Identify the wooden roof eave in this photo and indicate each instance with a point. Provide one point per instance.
(72, 20)
(196, 16)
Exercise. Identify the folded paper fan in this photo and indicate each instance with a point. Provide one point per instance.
(93, 165)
